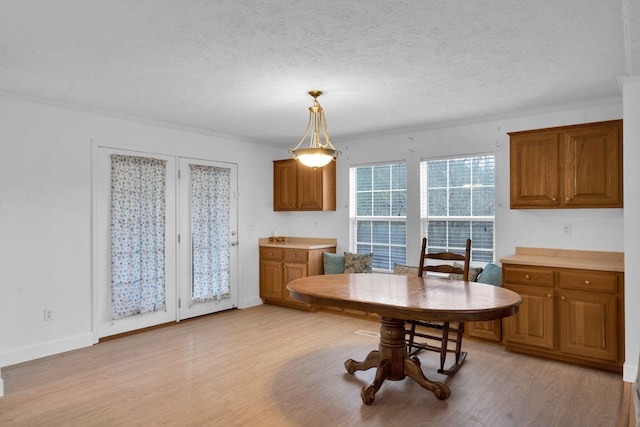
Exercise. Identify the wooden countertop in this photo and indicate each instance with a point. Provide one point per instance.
(300, 243)
(564, 258)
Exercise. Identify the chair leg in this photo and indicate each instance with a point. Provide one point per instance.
(411, 337)
(459, 340)
(445, 344)
(459, 354)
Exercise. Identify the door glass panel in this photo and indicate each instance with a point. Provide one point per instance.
(211, 232)
(208, 244)
(138, 208)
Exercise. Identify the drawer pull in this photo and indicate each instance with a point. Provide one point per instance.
(526, 276)
(586, 282)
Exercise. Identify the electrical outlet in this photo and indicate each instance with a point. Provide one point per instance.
(566, 230)
(48, 315)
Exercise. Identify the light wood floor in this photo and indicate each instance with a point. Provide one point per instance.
(272, 366)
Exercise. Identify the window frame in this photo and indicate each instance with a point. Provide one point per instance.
(354, 219)
(425, 218)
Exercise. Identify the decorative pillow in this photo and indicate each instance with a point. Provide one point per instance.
(473, 273)
(405, 270)
(357, 263)
(333, 263)
(491, 275)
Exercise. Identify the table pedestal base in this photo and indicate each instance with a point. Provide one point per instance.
(393, 363)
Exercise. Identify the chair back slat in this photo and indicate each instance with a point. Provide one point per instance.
(424, 265)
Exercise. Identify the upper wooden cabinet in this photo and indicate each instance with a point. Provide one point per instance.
(300, 188)
(577, 166)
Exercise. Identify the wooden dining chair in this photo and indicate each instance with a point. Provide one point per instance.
(439, 336)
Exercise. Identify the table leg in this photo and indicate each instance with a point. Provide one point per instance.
(372, 359)
(393, 363)
(412, 370)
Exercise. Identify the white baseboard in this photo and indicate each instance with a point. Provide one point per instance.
(629, 372)
(24, 354)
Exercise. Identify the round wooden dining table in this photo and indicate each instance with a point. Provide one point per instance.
(396, 299)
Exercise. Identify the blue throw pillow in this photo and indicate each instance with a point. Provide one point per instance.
(491, 275)
(333, 263)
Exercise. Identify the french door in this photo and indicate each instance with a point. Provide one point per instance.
(164, 239)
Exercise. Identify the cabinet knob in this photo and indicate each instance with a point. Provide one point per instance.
(586, 282)
(567, 198)
(294, 255)
(526, 276)
(549, 295)
(270, 253)
(563, 298)
(553, 199)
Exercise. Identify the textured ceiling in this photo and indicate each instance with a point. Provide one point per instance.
(243, 68)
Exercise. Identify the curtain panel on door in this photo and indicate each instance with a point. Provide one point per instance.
(138, 206)
(210, 227)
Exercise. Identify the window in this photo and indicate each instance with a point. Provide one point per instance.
(378, 213)
(457, 203)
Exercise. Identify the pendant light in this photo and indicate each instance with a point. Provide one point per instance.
(320, 151)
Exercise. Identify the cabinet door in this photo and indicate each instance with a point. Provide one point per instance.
(285, 185)
(271, 279)
(293, 271)
(532, 325)
(490, 330)
(592, 161)
(589, 324)
(309, 188)
(534, 170)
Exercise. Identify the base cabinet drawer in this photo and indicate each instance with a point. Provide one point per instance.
(602, 282)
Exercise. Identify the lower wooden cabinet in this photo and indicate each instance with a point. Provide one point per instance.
(533, 325)
(279, 266)
(488, 331)
(588, 327)
(573, 315)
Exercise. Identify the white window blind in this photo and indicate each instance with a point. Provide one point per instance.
(378, 213)
(457, 202)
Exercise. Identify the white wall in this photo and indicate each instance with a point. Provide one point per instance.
(631, 97)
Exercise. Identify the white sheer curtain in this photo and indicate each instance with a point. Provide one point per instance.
(210, 228)
(137, 235)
